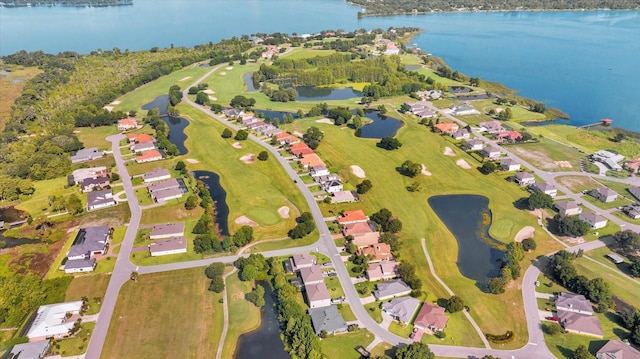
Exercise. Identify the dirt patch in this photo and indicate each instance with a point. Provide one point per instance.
(425, 172)
(184, 78)
(563, 164)
(246, 221)
(574, 240)
(357, 171)
(248, 158)
(108, 108)
(191, 160)
(524, 233)
(298, 134)
(449, 152)
(463, 164)
(284, 211)
(237, 145)
(325, 120)
(539, 158)
(229, 68)
(223, 73)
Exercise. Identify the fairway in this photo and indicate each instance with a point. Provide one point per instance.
(170, 312)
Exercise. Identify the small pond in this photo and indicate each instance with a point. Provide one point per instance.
(212, 180)
(459, 89)
(274, 114)
(176, 132)
(10, 215)
(481, 96)
(161, 103)
(265, 341)
(248, 80)
(311, 93)
(463, 215)
(380, 126)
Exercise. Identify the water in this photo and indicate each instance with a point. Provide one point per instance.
(381, 126)
(263, 342)
(161, 103)
(310, 93)
(248, 81)
(275, 114)
(462, 214)
(212, 180)
(584, 63)
(176, 132)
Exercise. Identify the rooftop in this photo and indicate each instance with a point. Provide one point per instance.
(88, 240)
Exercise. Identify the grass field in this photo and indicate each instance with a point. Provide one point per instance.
(621, 286)
(11, 86)
(343, 346)
(546, 153)
(77, 344)
(244, 316)
(374, 311)
(170, 312)
(91, 286)
(577, 183)
(95, 137)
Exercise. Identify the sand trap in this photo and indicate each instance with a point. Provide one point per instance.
(108, 108)
(246, 221)
(248, 159)
(184, 78)
(213, 98)
(284, 211)
(449, 152)
(425, 172)
(325, 120)
(524, 233)
(464, 164)
(116, 102)
(209, 92)
(229, 67)
(191, 160)
(359, 172)
(223, 73)
(237, 145)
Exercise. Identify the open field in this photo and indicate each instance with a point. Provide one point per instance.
(76, 345)
(305, 53)
(95, 136)
(621, 286)
(163, 313)
(577, 183)
(11, 85)
(243, 315)
(344, 345)
(91, 286)
(546, 154)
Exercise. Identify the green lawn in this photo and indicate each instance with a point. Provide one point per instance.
(169, 312)
(95, 137)
(577, 183)
(244, 316)
(333, 284)
(374, 311)
(343, 346)
(546, 154)
(617, 203)
(346, 312)
(621, 286)
(370, 286)
(91, 286)
(38, 205)
(76, 345)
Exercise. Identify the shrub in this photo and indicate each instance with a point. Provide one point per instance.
(263, 156)
(507, 337)
(226, 133)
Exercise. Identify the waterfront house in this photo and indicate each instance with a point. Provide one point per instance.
(311, 275)
(143, 147)
(317, 295)
(127, 124)
(140, 138)
(327, 320)
(164, 185)
(172, 245)
(149, 156)
(303, 260)
(431, 317)
(168, 194)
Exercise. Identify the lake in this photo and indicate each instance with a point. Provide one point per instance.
(219, 196)
(176, 124)
(310, 93)
(380, 126)
(463, 216)
(584, 63)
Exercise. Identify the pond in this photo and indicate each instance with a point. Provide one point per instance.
(311, 93)
(380, 126)
(459, 89)
(212, 180)
(161, 103)
(478, 259)
(274, 114)
(265, 341)
(176, 132)
(248, 80)
(481, 96)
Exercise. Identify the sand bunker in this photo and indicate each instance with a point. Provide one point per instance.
(359, 172)
(184, 78)
(449, 152)
(108, 108)
(246, 221)
(237, 145)
(325, 120)
(191, 160)
(209, 92)
(229, 67)
(223, 73)
(213, 98)
(248, 159)
(116, 102)
(425, 172)
(464, 164)
(284, 211)
(524, 233)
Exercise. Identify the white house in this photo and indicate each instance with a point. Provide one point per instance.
(127, 124)
(546, 188)
(317, 295)
(463, 110)
(167, 230)
(490, 152)
(157, 174)
(594, 220)
(509, 164)
(524, 178)
(100, 199)
(568, 208)
(51, 321)
(604, 194)
(332, 186)
(80, 265)
(473, 145)
(90, 242)
(317, 171)
(173, 245)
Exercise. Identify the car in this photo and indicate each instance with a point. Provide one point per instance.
(553, 319)
(415, 330)
(412, 335)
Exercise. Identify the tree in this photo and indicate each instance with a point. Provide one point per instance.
(248, 272)
(389, 143)
(405, 108)
(488, 168)
(263, 156)
(256, 296)
(364, 186)
(74, 204)
(529, 244)
(410, 168)
(454, 304)
(227, 133)
(313, 137)
(180, 166)
(240, 101)
(394, 226)
(356, 121)
(552, 328)
(571, 225)
(619, 137)
(539, 200)
(214, 270)
(634, 268)
(191, 202)
(538, 107)
(243, 236)
(241, 135)
(496, 285)
(114, 177)
(217, 284)
(582, 352)
(628, 241)
(416, 350)
(193, 90)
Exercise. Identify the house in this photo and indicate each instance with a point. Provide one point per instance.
(509, 136)
(568, 208)
(377, 253)
(332, 186)
(424, 113)
(391, 289)
(609, 158)
(172, 245)
(89, 184)
(167, 230)
(86, 154)
(355, 216)
(90, 242)
(462, 134)
(328, 320)
(34, 350)
(270, 131)
(463, 110)
(594, 220)
(80, 265)
(392, 49)
(632, 165)
(615, 258)
(51, 321)
(617, 349)
(93, 172)
(256, 125)
(311, 160)
(232, 112)
(327, 178)
(156, 174)
(491, 127)
(357, 228)
(573, 303)
(401, 309)
(366, 239)
(317, 171)
(143, 147)
(311, 275)
(303, 260)
(632, 210)
(344, 197)
(164, 185)
(149, 156)
(635, 191)
(604, 194)
(100, 199)
(430, 94)
(317, 295)
(524, 178)
(473, 145)
(382, 271)
(446, 127)
(431, 317)
(509, 164)
(168, 194)
(140, 138)
(246, 118)
(127, 124)
(490, 152)
(286, 138)
(546, 188)
(580, 323)
(297, 148)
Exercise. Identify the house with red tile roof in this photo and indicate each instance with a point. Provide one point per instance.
(140, 138)
(446, 127)
(366, 239)
(349, 217)
(431, 317)
(358, 228)
(127, 124)
(377, 253)
(287, 138)
(509, 136)
(149, 156)
(311, 160)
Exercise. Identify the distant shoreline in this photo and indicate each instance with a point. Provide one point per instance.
(364, 14)
(67, 3)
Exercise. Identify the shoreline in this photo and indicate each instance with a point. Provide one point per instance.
(366, 14)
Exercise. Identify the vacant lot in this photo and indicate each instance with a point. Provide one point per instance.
(577, 183)
(170, 312)
(549, 155)
(11, 85)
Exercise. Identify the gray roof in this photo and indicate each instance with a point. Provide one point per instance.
(100, 181)
(587, 324)
(86, 154)
(463, 107)
(88, 240)
(143, 146)
(591, 217)
(391, 288)
(163, 185)
(606, 191)
(99, 197)
(167, 194)
(311, 274)
(167, 229)
(168, 245)
(617, 349)
(574, 301)
(80, 263)
(35, 350)
(402, 308)
(544, 186)
(327, 318)
(567, 205)
(523, 175)
(155, 173)
(635, 191)
(508, 162)
(303, 259)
